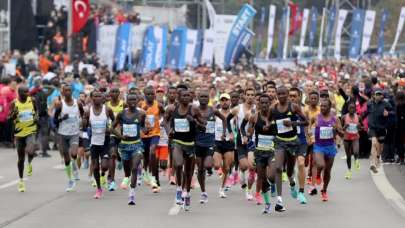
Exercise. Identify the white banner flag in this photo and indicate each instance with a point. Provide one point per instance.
(287, 30)
(270, 32)
(190, 46)
(305, 20)
(320, 47)
(399, 30)
(211, 13)
(369, 20)
(223, 26)
(339, 28)
(158, 32)
(208, 47)
(106, 44)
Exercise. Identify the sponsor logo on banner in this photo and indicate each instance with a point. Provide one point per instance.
(245, 15)
(367, 30)
(399, 30)
(342, 14)
(384, 18)
(242, 42)
(314, 24)
(356, 30)
(122, 47)
(270, 32)
(177, 48)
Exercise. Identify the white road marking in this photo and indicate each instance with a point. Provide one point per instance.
(11, 183)
(175, 209)
(388, 191)
(59, 166)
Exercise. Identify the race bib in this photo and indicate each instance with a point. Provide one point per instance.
(210, 128)
(352, 129)
(25, 116)
(298, 130)
(151, 119)
(326, 133)
(281, 128)
(85, 135)
(130, 130)
(265, 141)
(98, 126)
(181, 125)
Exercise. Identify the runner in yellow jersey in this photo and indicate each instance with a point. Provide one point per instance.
(23, 112)
(116, 104)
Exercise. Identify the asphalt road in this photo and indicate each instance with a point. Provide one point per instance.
(355, 203)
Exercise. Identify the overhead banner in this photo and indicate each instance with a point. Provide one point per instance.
(355, 31)
(399, 30)
(245, 15)
(208, 47)
(177, 49)
(198, 49)
(320, 46)
(242, 44)
(223, 26)
(314, 24)
(369, 20)
(330, 25)
(122, 48)
(260, 31)
(149, 49)
(161, 47)
(211, 13)
(281, 33)
(106, 44)
(342, 14)
(304, 26)
(191, 45)
(270, 31)
(286, 35)
(384, 18)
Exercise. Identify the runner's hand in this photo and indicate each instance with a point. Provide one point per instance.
(385, 113)
(65, 117)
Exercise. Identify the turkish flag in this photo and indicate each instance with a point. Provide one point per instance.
(295, 18)
(80, 14)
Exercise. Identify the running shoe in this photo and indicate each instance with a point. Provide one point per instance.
(71, 185)
(103, 182)
(222, 193)
(187, 202)
(324, 196)
(99, 193)
(179, 197)
(357, 164)
(293, 192)
(273, 190)
(94, 183)
(301, 198)
(156, 189)
(259, 198)
(309, 180)
(374, 169)
(124, 183)
(21, 186)
(248, 195)
(112, 186)
(76, 175)
(279, 207)
(172, 180)
(29, 169)
(284, 177)
(319, 180)
(348, 175)
(204, 198)
(86, 164)
(312, 190)
(131, 197)
(267, 208)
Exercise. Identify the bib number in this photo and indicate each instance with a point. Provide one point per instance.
(151, 119)
(181, 125)
(210, 128)
(98, 126)
(25, 116)
(281, 128)
(326, 133)
(352, 129)
(130, 130)
(265, 142)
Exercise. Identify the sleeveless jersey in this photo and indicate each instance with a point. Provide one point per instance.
(25, 124)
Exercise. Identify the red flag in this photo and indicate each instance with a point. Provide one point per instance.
(295, 18)
(80, 14)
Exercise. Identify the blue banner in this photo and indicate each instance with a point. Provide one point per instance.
(163, 56)
(198, 48)
(242, 44)
(281, 33)
(177, 49)
(260, 31)
(356, 33)
(245, 15)
(122, 45)
(313, 28)
(384, 19)
(147, 61)
(330, 26)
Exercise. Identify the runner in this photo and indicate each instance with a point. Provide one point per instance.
(97, 119)
(171, 100)
(296, 97)
(351, 124)
(260, 125)
(205, 140)
(68, 112)
(154, 110)
(327, 126)
(287, 116)
(23, 113)
(116, 104)
(184, 118)
(130, 122)
(224, 146)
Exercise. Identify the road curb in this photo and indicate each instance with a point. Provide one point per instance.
(388, 191)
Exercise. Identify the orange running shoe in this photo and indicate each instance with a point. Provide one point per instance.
(324, 196)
